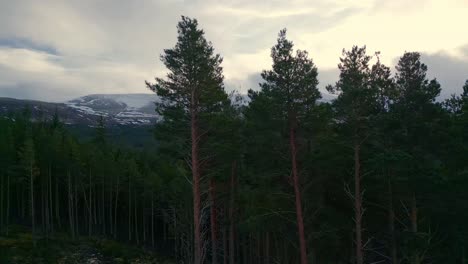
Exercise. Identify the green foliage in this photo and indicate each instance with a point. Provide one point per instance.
(91, 192)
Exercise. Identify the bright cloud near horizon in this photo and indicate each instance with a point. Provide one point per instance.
(59, 50)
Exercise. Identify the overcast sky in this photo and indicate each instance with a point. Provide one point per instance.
(58, 50)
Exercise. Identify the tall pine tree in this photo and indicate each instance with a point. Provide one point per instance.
(192, 91)
(417, 111)
(291, 87)
(355, 104)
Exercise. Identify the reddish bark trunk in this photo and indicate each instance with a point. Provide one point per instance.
(196, 183)
(297, 192)
(214, 239)
(358, 204)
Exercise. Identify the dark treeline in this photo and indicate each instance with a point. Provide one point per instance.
(378, 175)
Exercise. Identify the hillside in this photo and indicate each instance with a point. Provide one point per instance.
(118, 109)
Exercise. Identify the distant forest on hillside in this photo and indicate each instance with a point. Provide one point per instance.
(377, 175)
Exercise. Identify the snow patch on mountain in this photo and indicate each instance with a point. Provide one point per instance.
(131, 101)
(136, 109)
(118, 108)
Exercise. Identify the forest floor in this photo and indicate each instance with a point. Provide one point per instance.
(18, 248)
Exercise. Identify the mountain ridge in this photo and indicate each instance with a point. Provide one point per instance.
(118, 109)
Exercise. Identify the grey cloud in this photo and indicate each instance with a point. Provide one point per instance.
(398, 6)
(104, 46)
(254, 33)
(27, 85)
(464, 50)
(96, 38)
(113, 46)
(23, 43)
(310, 23)
(35, 91)
(327, 76)
(252, 81)
(37, 76)
(450, 71)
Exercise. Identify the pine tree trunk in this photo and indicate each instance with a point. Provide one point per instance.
(137, 237)
(277, 250)
(358, 204)
(231, 213)
(90, 215)
(196, 181)
(102, 217)
(70, 206)
(57, 204)
(143, 218)
(245, 252)
(75, 195)
(8, 205)
(286, 255)
(129, 210)
(297, 192)
(414, 226)
(75, 206)
(87, 209)
(225, 245)
(259, 248)
(214, 240)
(41, 194)
(31, 179)
(391, 224)
(46, 209)
(164, 228)
(24, 198)
(1, 200)
(237, 247)
(176, 236)
(111, 201)
(51, 207)
(95, 208)
(115, 207)
(152, 219)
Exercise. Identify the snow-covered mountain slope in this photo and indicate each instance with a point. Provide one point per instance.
(327, 97)
(119, 108)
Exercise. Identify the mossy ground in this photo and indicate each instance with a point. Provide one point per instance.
(18, 248)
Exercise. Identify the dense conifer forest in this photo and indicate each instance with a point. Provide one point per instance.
(377, 175)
